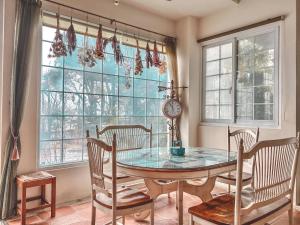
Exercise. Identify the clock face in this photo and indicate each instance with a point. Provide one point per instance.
(172, 109)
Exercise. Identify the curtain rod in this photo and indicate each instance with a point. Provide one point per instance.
(109, 19)
(268, 21)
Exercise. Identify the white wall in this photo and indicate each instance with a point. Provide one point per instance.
(72, 183)
(248, 12)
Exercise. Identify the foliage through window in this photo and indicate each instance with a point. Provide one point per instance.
(74, 99)
(240, 78)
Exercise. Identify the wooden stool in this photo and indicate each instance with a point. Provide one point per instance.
(35, 180)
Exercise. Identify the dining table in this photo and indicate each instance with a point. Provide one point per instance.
(194, 173)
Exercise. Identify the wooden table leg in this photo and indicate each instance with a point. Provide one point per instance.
(53, 197)
(23, 205)
(43, 194)
(203, 190)
(180, 202)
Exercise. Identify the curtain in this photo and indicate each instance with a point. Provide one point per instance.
(27, 20)
(173, 72)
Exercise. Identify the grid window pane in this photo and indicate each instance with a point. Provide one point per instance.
(75, 98)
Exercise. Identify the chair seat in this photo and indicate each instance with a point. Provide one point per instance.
(120, 176)
(220, 210)
(232, 176)
(126, 198)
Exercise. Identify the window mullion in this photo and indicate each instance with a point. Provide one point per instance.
(234, 77)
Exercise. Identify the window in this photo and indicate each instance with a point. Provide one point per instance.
(240, 79)
(74, 99)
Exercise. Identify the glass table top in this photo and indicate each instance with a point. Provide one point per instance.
(161, 158)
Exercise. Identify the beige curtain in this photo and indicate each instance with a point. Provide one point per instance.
(173, 72)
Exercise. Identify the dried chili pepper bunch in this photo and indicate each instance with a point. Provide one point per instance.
(156, 59)
(99, 49)
(148, 58)
(71, 38)
(117, 49)
(138, 60)
(85, 55)
(58, 47)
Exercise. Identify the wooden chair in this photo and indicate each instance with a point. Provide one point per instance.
(250, 138)
(271, 189)
(117, 202)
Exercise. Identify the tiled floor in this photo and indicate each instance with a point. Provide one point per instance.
(165, 214)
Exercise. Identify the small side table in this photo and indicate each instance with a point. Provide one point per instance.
(35, 180)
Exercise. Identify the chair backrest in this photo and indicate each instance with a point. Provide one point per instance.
(249, 137)
(273, 172)
(96, 150)
(129, 136)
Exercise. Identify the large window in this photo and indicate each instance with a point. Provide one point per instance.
(240, 79)
(74, 98)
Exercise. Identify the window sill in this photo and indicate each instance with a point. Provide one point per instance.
(237, 125)
(63, 166)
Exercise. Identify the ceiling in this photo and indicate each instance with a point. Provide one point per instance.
(177, 9)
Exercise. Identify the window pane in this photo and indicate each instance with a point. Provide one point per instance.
(226, 50)
(52, 79)
(139, 107)
(246, 46)
(225, 97)
(50, 153)
(109, 65)
(50, 128)
(140, 88)
(73, 104)
(212, 98)
(92, 105)
(265, 41)
(92, 83)
(73, 81)
(109, 120)
(46, 61)
(212, 53)
(264, 59)
(90, 123)
(226, 66)
(152, 90)
(72, 150)
(263, 112)
(153, 121)
(163, 140)
(51, 103)
(225, 81)
(245, 62)
(73, 127)
(264, 77)
(212, 112)
(110, 105)
(125, 106)
(212, 68)
(245, 112)
(152, 109)
(126, 86)
(263, 94)
(110, 85)
(212, 83)
(71, 61)
(225, 112)
(244, 79)
(245, 96)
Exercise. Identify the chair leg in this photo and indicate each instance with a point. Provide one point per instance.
(152, 214)
(169, 196)
(291, 220)
(123, 220)
(229, 188)
(191, 220)
(93, 222)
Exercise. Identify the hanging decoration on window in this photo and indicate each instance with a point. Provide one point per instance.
(71, 38)
(116, 48)
(148, 58)
(162, 69)
(156, 60)
(127, 68)
(58, 47)
(138, 60)
(85, 55)
(99, 49)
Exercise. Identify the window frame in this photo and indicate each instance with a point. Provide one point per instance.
(118, 116)
(233, 38)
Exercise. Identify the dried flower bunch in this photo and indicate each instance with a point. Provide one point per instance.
(85, 55)
(156, 60)
(127, 68)
(148, 58)
(138, 60)
(58, 47)
(71, 38)
(99, 49)
(162, 69)
(117, 49)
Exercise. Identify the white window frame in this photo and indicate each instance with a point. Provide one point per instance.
(233, 38)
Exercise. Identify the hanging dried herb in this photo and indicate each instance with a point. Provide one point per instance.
(99, 49)
(156, 59)
(71, 38)
(116, 48)
(148, 58)
(127, 69)
(138, 61)
(163, 66)
(58, 47)
(85, 55)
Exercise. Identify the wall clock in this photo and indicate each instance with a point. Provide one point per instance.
(172, 108)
